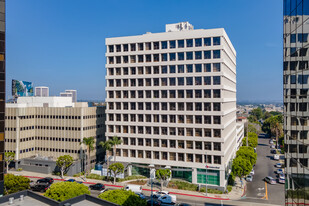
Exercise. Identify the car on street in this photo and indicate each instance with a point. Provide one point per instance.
(276, 157)
(168, 199)
(72, 180)
(249, 178)
(48, 180)
(252, 172)
(282, 176)
(155, 202)
(281, 180)
(272, 146)
(270, 180)
(40, 187)
(271, 141)
(278, 165)
(107, 189)
(97, 186)
(279, 171)
(160, 193)
(141, 195)
(273, 151)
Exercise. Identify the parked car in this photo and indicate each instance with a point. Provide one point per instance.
(48, 180)
(141, 195)
(168, 199)
(278, 165)
(271, 141)
(273, 151)
(97, 186)
(282, 176)
(281, 180)
(134, 188)
(40, 187)
(276, 157)
(249, 178)
(252, 172)
(270, 180)
(160, 193)
(107, 189)
(279, 171)
(72, 180)
(155, 202)
(272, 146)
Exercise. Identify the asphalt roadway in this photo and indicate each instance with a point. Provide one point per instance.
(258, 191)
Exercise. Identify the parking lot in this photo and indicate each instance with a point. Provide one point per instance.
(258, 190)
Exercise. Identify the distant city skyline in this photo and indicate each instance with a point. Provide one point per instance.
(61, 44)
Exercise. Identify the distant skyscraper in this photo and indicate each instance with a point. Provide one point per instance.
(74, 94)
(171, 98)
(296, 101)
(2, 91)
(41, 91)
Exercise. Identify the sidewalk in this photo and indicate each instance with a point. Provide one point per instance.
(235, 194)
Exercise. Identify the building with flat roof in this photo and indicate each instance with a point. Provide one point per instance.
(41, 91)
(44, 128)
(171, 98)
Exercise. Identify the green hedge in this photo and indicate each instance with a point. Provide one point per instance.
(123, 197)
(213, 191)
(181, 185)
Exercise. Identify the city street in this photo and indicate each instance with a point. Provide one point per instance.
(258, 190)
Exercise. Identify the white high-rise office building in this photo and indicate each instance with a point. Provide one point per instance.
(74, 94)
(42, 91)
(171, 98)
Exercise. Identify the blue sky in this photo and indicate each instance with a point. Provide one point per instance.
(60, 44)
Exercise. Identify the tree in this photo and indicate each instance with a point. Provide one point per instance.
(61, 191)
(64, 162)
(252, 140)
(122, 197)
(247, 153)
(252, 128)
(89, 142)
(266, 115)
(116, 168)
(241, 166)
(257, 112)
(107, 147)
(114, 142)
(8, 157)
(163, 175)
(14, 183)
(276, 126)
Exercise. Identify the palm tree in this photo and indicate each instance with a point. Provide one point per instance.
(276, 127)
(107, 147)
(89, 142)
(114, 142)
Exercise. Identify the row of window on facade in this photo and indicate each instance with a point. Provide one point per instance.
(180, 144)
(173, 131)
(293, 93)
(301, 38)
(161, 94)
(296, 79)
(295, 52)
(60, 139)
(297, 135)
(295, 65)
(183, 157)
(54, 117)
(297, 162)
(171, 69)
(181, 56)
(172, 81)
(55, 128)
(163, 118)
(49, 150)
(181, 106)
(172, 44)
(296, 107)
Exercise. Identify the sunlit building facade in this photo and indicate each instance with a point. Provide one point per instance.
(296, 101)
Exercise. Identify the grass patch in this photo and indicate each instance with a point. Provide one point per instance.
(133, 177)
(229, 188)
(181, 185)
(213, 191)
(138, 182)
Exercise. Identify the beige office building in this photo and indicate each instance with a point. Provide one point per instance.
(49, 127)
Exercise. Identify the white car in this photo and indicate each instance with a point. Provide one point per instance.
(160, 193)
(252, 172)
(281, 176)
(249, 178)
(279, 171)
(168, 199)
(278, 165)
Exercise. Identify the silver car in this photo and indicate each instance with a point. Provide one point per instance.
(249, 178)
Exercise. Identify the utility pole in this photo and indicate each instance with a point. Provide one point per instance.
(151, 182)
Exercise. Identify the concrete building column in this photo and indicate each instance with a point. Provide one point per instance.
(129, 170)
(194, 176)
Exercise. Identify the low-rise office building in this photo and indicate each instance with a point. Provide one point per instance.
(44, 128)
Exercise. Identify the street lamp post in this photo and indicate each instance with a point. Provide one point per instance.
(151, 183)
